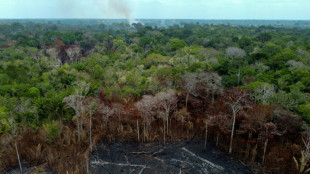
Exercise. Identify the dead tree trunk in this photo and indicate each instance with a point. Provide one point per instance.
(186, 100)
(217, 138)
(144, 132)
(138, 131)
(167, 121)
(239, 74)
(212, 98)
(232, 130)
(17, 154)
(78, 125)
(206, 138)
(164, 132)
(90, 133)
(248, 146)
(265, 148)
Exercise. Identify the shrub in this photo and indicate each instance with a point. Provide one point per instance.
(52, 131)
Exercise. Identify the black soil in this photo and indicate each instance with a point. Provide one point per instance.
(180, 157)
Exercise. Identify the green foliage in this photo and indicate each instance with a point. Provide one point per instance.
(291, 100)
(5, 125)
(264, 37)
(176, 43)
(308, 47)
(253, 85)
(33, 92)
(230, 80)
(125, 63)
(279, 60)
(244, 42)
(304, 110)
(52, 130)
(271, 49)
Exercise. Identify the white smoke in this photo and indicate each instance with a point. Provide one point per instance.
(113, 9)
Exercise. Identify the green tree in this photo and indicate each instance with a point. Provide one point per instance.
(33, 92)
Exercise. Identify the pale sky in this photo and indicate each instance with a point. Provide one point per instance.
(157, 9)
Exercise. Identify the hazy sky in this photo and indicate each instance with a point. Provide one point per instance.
(184, 9)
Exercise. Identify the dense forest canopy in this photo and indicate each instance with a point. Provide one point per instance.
(214, 71)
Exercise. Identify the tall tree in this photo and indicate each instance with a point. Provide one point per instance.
(118, 110)
(75, 101)
(147, 107)
(167, 102)
(264, 92)
(209, 120)
(190, 83)
(237, 99)
(234, 52)
(106, 113)
(269, 131)
(213, 81)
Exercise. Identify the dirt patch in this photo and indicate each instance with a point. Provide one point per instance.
(178, 157)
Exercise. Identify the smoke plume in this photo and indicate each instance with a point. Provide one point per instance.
(115, 8)
(107, 8)
(122, 8)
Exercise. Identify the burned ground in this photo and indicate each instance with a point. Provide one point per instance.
(179, 157)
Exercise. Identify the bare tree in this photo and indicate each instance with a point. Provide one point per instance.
(208, 121)
(166, 101)
(234, 52)
(146, 107)
(17, 154)
(269, 131)
(305, 154)
(219, 121)
(106, 113)
(294, 65)
(75, 101)
(263, 92)
(237, 100)
(182, 115)
(190, 85)
(213, 81)
(118, 110)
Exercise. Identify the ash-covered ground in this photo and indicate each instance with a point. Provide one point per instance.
(179, 157)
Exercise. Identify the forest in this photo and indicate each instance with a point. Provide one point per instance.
(64, 87)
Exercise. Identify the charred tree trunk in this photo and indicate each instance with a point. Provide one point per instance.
(138, 130)
(212, 98)
(164, 132)
(144, 132)
(206, 138)
(186, 100)
(217, 138)
(248, 146)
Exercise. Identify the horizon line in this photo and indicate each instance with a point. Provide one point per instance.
(152, 19)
